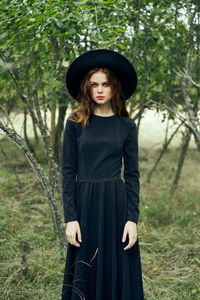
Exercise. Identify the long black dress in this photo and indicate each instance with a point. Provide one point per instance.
(96, 196)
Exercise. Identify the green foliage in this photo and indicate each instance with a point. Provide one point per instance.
(39, 38)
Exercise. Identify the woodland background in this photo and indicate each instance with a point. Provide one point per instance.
(38, 41)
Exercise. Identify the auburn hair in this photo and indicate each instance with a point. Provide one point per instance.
(87, 104)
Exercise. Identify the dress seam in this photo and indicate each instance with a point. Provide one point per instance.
(99, 180)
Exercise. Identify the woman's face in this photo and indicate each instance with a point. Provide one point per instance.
(101, 91)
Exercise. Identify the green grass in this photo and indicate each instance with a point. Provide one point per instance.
(169, 232)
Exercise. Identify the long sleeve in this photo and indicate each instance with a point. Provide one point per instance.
(131, 173)
(69, 170)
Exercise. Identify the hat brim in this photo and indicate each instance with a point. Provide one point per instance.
(102, 58)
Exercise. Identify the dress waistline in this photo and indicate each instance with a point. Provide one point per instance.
(99, 180)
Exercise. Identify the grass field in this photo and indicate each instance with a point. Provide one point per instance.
(169, 231)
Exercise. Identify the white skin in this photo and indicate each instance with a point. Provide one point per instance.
(101, 87)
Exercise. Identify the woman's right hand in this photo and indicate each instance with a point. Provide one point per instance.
(72, 229)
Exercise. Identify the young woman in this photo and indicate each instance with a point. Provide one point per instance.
(101, 210)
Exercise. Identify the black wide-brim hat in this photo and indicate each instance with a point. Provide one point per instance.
(102, 58)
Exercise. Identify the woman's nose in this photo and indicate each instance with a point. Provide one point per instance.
(100, 89)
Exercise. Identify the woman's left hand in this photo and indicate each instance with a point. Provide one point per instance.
(130, 228)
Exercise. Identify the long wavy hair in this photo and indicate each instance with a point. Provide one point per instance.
(87, 104)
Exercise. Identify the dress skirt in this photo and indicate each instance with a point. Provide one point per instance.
(101, 269)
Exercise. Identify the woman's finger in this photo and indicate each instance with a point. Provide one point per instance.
(132, 241)
(71, 239)
(79, 235)
(129, 245)
(74, 241)
(124, 235)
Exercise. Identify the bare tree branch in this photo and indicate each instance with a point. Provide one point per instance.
(42, 178)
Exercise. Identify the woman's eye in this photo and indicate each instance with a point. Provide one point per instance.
(93, 84)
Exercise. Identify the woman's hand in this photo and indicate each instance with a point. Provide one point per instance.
(130, 228)
(72, 229)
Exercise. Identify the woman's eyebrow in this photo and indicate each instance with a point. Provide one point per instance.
(97, 82)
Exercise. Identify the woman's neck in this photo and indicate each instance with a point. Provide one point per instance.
(103, 111)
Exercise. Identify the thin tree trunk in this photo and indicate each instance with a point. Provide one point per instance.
(25, 132)
(139, 119)
(59, 129)
(29, 97)
(165, 146)
(53, 123)
(35, 131)
(181, 161)
(166, 131)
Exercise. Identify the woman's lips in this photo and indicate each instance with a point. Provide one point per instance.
(100, 97)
